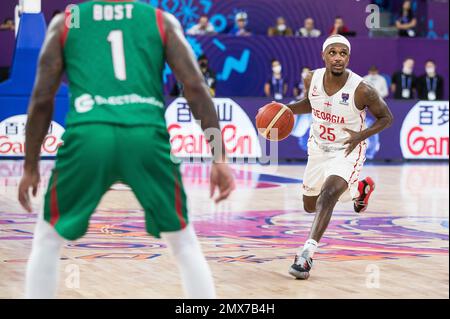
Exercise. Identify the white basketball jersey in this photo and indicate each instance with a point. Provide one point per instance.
(331, 114)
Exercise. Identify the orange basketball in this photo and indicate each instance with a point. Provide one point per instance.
(275, 121)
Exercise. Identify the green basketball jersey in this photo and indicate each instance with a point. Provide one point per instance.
(114, 59)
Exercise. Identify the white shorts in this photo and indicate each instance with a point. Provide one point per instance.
(322, 164)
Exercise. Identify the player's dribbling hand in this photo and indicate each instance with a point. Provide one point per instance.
(353, 141)
(29, 179)
(222, 178)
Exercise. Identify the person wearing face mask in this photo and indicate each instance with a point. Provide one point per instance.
(377, 81)
(276, 87)
(299, 88)
(430, 86)
(208, 74)
(281, 29)
(404, 82)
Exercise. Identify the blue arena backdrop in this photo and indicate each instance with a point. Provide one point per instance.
(243, 64)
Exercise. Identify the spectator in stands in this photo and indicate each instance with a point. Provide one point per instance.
(308, 30)
(208, 74)
(377, 81)
(241, 25)
(177, 90)
(203, 27)
(299, 88)
(276, 87)
(406, 23)
(339, 27)
(281, 29)
(430, 86)
(404, 82)
(8, 24)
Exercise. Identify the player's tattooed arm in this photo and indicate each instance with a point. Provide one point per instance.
(48, 78)
(367, 97)
(303, 106)
(40, 109)
(184, 65)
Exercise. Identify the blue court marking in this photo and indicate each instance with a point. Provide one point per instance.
(278, 179)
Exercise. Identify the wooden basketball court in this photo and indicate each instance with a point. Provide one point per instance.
(397, 249)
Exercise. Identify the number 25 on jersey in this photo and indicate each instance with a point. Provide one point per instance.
(326, 133)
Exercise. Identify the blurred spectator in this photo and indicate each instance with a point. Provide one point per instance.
(281, 29)
(177, 89)
(406, 23)
(276, 87)
(308, 30)
(404, 81)
(299, 88)
(8, 24)
(339, 27)
(430, 86)
(240, 26)
(377, 81)
(208, 74)
(203, 27)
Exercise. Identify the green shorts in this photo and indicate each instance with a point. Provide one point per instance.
(95, 156)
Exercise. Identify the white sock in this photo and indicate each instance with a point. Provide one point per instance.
(195, 273)
(43, 265)
(310, 246)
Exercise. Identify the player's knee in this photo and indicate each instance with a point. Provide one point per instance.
(330, 194)
(309, 204)
(309, 208)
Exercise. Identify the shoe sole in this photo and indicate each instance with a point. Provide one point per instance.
(298, 274)
(366, 200)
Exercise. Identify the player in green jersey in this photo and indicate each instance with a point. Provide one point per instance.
(115, 130)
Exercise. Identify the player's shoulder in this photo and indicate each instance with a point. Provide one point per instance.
(311, 73)
(365, 91)
(56, 25)
(309, 76)
(170, 21)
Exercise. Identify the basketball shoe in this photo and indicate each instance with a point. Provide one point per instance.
(301, 266)
(365, 188)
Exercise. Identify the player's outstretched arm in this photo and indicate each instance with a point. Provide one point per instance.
(303, 106)
(48, 78)
(367, 97)
(181, 59)
(40, 109)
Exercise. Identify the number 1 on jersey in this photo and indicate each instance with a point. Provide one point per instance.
(115, 37)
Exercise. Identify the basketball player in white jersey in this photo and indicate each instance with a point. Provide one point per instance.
(338, 100)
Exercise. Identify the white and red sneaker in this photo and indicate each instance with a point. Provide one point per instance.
(365, 188)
